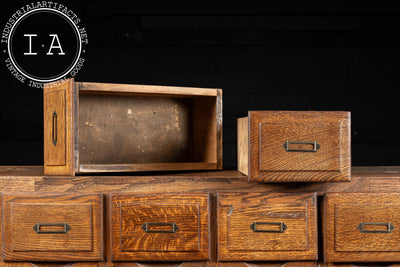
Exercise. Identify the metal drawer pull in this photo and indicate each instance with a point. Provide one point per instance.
(146, 227)
(389, 226)
(54, 129)
(282, 226)
(315, 145)
(37, 226)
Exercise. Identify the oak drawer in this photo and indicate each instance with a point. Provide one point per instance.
(48, 227)
(100, 127)
(160, 227)
(360, 227)
(267, 227)
(288, 146)
(275, 264)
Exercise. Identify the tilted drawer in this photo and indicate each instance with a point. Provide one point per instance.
(49, 227)
(159, 227)
(104, 127)
(267, 227)
(295, 146)
(361, 227)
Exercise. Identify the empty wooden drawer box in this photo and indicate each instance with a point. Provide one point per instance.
(97, 127)
(362, 227)
(295, 146)
(267, 227)
(52, 227)
(159, 227)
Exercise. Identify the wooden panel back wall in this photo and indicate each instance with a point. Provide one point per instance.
(263, 58)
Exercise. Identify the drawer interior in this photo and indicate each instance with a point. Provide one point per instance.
(143, 129)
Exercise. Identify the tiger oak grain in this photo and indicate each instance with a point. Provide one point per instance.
(295, 146)
(238, 240)
(345, 240)
(83, 241)
(189, 241)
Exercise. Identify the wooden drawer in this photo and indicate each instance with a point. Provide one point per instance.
(295, 146)
(97, 127)
(162, 264)
(267, 227)
(268, 264)
(48, 227)
(52, 264)
(361, 227)
(159, 227)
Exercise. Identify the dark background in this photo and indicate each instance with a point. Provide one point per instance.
(273, 58)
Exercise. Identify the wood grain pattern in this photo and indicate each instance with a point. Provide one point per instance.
(36, 264)
(119, 128)
(82, 242)
(237, 241)
(164, 264)
(136, 89)
(26, 215)
(32, 179)
(358, 265)
(193, 182)
(356, 171)
(343, 239)
(185, 166)
(243, 145)
(206, 130)
(268, 264)
(188, 123)
(273, 157)
(130, 242)
(58, 156)
(270, 162)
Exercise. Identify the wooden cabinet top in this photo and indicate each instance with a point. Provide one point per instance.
(32, 179)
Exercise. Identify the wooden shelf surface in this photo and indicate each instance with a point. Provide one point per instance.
(31, 179)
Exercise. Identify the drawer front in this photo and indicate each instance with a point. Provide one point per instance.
(59, 117)
(274, 264)
(303, 145)
(160, 227)
(52, 227)
(256, 226)
(362, 227)
(55, 125)
(296, 146)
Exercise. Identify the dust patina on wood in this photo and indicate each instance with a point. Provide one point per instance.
(98, 127)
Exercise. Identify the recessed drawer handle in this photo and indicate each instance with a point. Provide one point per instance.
(54, 129)
(146, 227)
(389, 227)
(282, 226)
(65, 229)
(315, 145)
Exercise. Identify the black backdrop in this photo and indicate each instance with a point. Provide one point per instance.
(290, 58)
